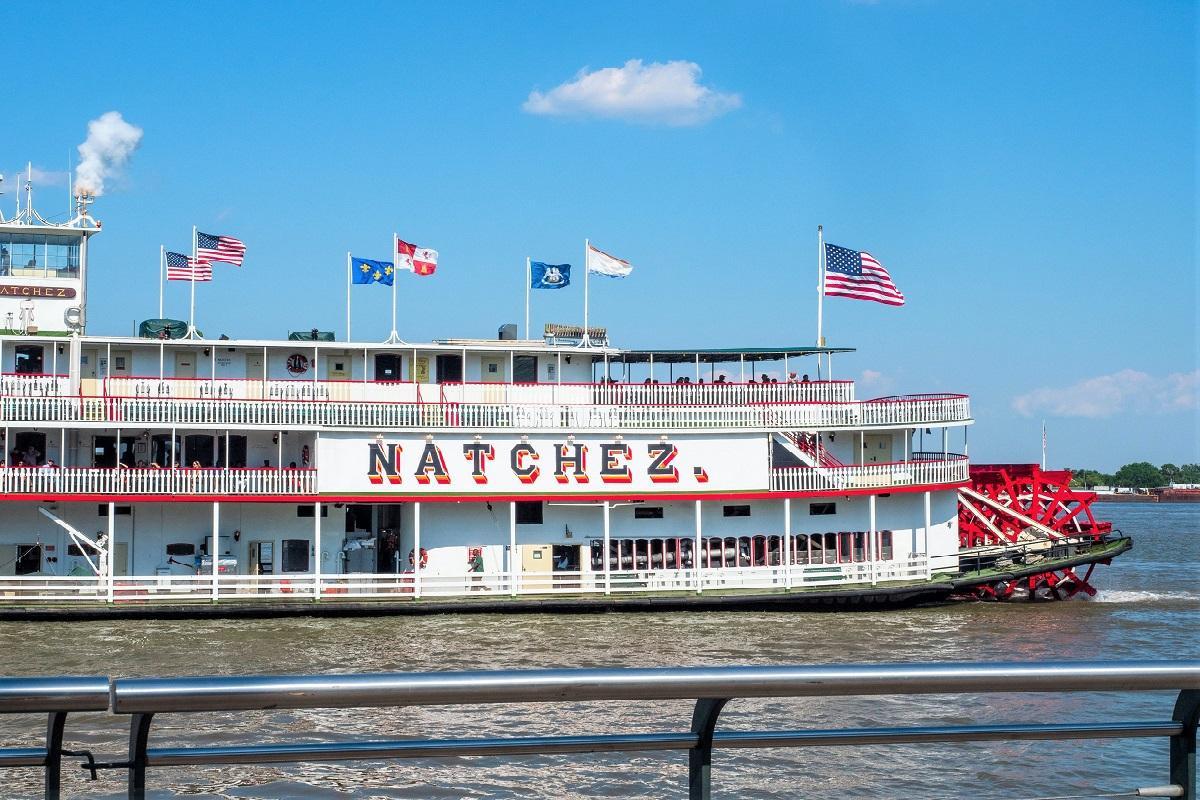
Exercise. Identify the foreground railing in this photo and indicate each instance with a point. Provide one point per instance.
(54, 697)
(407, 586)
(709, 688)
(215, 482)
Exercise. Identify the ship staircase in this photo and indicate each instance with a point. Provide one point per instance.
(1022, 508)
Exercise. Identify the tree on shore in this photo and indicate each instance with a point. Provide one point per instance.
(1139, 475)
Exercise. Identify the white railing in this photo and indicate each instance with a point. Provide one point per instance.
(50, 409)
(143, 481)
(14, 385)
(800, 416)
(954, 469)
(252, 389)
(482, 393)
(407, 586)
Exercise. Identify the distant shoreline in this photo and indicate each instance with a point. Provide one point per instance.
(1163, 497)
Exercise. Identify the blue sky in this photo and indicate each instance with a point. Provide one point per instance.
(1027, 172)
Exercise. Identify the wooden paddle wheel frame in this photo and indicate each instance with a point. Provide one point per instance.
(1015, 505)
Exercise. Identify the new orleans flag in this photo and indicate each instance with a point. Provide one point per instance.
(365, 270)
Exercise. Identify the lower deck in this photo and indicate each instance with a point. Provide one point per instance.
(163, 552)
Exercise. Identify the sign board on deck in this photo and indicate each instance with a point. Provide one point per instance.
(540, 464)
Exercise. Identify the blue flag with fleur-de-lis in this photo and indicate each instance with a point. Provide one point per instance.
(549, 276)
(365, 270)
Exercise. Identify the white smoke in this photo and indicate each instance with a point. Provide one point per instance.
(110, 142)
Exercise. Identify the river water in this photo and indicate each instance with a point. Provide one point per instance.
(1148, 607)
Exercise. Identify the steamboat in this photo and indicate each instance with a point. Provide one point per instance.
(169, 474)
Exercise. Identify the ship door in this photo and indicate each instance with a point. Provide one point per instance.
(254, 366)
(185, 365)
(387, 367)
(566, 559)
(493, 370)
(122, 364)
(198, 447)
(877, 448)
(106, 453)
(262, 558)
(536, 558)
(449, 368)
(22, 454)
(337, 368)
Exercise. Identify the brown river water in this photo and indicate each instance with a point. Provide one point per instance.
(1148, 607)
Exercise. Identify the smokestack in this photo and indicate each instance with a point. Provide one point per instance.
(110, 142)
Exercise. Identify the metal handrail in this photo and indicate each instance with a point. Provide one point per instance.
(711, 687)
(55, 697)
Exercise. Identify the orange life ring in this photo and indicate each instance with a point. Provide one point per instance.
(424, 558)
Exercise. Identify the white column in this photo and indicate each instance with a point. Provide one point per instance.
(417, 550)
(512, 549)
(215, 550)
(928, 562)
(110, 568)
(317, 550)
(607, 566)
(871, 538)
(696, 558)
(787, 542)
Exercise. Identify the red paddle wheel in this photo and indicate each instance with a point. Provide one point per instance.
(1019, 505)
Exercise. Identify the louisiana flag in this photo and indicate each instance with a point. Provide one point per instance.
(365, 270)
(549, 276)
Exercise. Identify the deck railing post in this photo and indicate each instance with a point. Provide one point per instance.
(704, 723)
(139, 735)
(54, 738)
(1183, 744)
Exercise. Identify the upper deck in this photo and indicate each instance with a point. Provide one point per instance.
(476, 384)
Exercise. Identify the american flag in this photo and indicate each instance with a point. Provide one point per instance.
(220, 248)
(850, 273)
(185, 268)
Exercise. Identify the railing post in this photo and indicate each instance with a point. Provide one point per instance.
(139, 735)
(54, 738)
(1183, 744)
(704, 723)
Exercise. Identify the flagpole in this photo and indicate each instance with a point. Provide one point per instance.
(1043, 444)
(586, 340)
(528, 280)
(192, 309)
(348, 272)
(394, 336)
(162, 255)
(820, 285)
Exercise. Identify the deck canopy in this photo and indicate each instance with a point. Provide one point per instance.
(718, 355)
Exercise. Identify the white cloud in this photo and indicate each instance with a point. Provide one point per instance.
(669, 94)
(1106, 395)
(874, 381)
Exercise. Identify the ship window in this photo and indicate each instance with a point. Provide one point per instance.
(821, 509)
(295, 555)
(648, 512)
(181, 549)
(525, 369)
(76, 550)
(529, 512)
(29, 359)
(310, 511)
(118, 511)
(736, 511)
(885, 545)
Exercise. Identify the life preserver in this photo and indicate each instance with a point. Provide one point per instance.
(424, 558)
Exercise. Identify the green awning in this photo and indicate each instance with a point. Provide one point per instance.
(719, 355)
